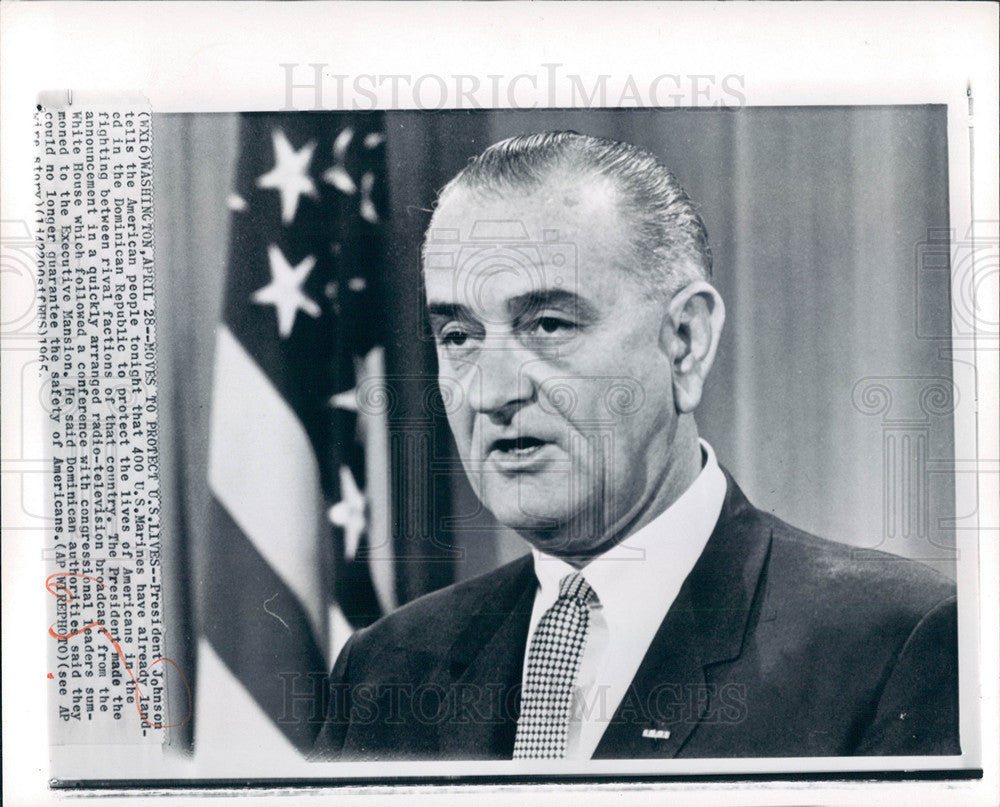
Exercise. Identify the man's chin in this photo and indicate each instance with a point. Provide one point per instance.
(522, 521)
(539, 515)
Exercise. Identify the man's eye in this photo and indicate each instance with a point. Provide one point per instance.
(554, 325)
(453, 336)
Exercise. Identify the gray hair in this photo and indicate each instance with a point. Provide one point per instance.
(670, 242)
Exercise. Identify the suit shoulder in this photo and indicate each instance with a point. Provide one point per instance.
(432, 620)
(860, 583)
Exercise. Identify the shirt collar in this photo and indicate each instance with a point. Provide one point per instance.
(638, 579)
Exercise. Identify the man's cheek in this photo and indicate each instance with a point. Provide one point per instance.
(460, 425)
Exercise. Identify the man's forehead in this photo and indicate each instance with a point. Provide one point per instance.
(483, 249)
(566, 203)
(484, 274)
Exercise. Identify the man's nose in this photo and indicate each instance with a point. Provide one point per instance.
(501, 385)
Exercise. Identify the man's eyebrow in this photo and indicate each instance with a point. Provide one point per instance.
(520, 305)
(448, 311)
(550, 298)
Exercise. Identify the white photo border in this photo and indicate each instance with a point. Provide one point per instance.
(206, 57)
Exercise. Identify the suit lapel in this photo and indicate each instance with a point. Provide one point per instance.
(482, 670)
(705, 625)
(656, 700)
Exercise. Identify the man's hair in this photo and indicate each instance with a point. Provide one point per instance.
(669, 240)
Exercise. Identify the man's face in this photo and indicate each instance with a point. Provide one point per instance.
(557, 387)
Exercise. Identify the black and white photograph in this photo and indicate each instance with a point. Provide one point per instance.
(625, 350)
(399, 431)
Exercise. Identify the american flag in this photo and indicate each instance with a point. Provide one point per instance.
(298, 549)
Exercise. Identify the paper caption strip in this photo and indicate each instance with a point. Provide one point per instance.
(96, 304)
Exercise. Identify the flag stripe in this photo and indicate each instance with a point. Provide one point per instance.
(288, 468)
(271, 636)
(220, 751)
(381, 558)
(262, 469)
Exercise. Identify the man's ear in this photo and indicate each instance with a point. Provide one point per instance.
(690, 336)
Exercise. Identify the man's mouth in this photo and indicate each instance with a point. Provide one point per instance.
(517, 446)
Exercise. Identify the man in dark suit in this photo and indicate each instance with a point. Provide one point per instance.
(659, 613)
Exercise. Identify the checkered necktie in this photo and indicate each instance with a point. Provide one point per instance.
(553, 662)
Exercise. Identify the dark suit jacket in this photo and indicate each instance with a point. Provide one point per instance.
(778, 644)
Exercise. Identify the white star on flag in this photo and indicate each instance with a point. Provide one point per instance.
(290, 175)
(367, 206)
(284, 291)
(347, 400)
(349, 512)
(337, 175)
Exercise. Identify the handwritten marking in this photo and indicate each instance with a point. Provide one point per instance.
(50, 675)
(272, 612)
(61, 592)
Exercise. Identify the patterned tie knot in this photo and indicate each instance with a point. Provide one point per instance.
(576, 587)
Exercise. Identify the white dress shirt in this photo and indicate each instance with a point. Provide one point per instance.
(636, 582)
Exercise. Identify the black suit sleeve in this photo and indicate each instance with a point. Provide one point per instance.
(917, 712)
(330, 741)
